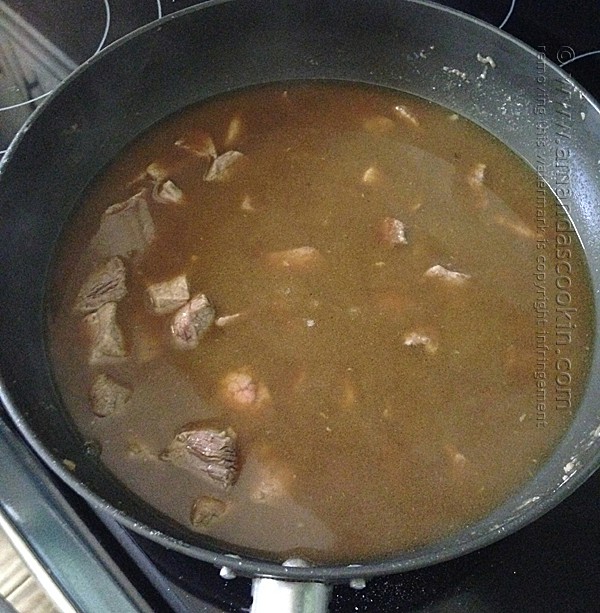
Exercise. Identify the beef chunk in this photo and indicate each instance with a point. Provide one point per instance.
(272, 480)
(146, 344)
(106, 337)
(348, 393)
(206, 451)
(403, 114)
(222, 168)
(168, 193)
(418, 339)
(392, 232)
(456, 462)
(200, 144)
(476, 181)
(107, 396)
(217, 168)
(247, 205)
(192, 321)
(394, 303)
(518, 362)
(476, 176)
(125, 227)
(372, 176)
(379, 124)
(167, 296)
(206, 510)
(157, 172)
(298, 259)
(454, 456)
(516, 226)
(240, 389)
(450, 276)
(139, 450)
(106, 284)
(234, 131)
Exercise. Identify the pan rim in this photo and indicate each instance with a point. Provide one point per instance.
(249, 565)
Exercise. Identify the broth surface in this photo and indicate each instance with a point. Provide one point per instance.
(393, 401)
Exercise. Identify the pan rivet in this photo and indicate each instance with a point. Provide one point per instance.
(358, 584)
(227, 573)
(296, 563)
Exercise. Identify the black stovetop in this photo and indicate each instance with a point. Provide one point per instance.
(552, 565)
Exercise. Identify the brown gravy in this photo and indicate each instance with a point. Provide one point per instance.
(378, 254)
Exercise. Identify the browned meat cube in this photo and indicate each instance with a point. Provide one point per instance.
(403, 114)
(298, 259)
(106, 284)
(206, 510)
(392, 232)
(247, 205)
(273, 485)
(476, 181)
(125, 227)
(240, 389)
(106, 337)
(348, 392)
(192, 321)
(107, 396)
(419, 339)
(146, 344)
(379, 124)
(516, 226)
(200, 144)
(519, 362)
(296, 380)
(273, 479)
(234, 131)
(206, 451)
(157, 172)
(222, 168)
(168, 193)
(167, 296)
(393, 302)
(450, 276)
(139, 450)
(372, 176)
(476, 176)
(455, 457)
(457, 463)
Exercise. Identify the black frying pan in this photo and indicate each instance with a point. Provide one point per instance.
(414, 46)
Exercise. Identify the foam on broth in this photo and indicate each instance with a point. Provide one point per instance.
(371, 443)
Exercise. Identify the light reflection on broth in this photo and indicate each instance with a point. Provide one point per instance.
(326, 291)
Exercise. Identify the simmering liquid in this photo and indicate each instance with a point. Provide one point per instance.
(364, 344)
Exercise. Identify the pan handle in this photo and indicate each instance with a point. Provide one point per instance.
(280, 596)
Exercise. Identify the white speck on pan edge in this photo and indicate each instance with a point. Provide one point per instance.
(454, 71)
(486, 60)
(528, 502)
(570, 466)
(596, 432)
